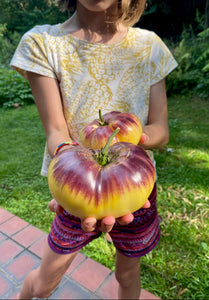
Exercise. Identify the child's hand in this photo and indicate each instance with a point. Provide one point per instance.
(107, 223)
(55, 207)
(89, 224)
(144, 140)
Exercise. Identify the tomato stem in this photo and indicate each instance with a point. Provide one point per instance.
(103, 157)
(102, 122)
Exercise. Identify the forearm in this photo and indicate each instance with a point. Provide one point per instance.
(157, 130)
(49, 104)
(157, 136)
(56, 138)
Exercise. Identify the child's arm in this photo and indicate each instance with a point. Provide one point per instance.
(156, 132)
(48, 101)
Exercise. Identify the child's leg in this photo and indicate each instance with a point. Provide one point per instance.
(127, 273)
(42, 281)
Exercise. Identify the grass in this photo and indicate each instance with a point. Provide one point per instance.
(178, 267)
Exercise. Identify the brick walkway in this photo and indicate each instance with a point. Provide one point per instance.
(21, 249)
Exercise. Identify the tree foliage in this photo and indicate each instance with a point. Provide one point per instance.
(192, 74)
(169, 18)
(20, 16)
(182, 23)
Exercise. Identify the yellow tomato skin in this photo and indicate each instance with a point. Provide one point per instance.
(95, 134)
(86, 189)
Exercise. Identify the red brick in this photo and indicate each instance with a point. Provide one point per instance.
(4, 215)
(90, 274)
(28, 236)
(12, 226)
(76, 262)
(2, 237)
(5, 286)
(22, 265)
(71, 290)
(8, 250)
(15, 294)
(109, 290)
(39, 246)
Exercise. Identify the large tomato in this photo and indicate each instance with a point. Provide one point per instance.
(96, 133)
(93, 183)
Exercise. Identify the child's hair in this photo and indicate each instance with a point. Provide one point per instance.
(130, 11)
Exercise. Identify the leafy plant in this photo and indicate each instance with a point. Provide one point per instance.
(8, 43)
(192, 73)
(14, 89)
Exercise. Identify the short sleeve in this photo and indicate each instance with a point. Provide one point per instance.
(32, 55)
(162, 61)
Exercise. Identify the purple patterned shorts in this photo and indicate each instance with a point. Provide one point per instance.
(133, 240)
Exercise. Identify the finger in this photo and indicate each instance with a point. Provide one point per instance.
(55, 207)
(52, 205)
(144, 139)
(59, 209)
(124, 220)
(89, 224)
(107, 224)
(146, 204)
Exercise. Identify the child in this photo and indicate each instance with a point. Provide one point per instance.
(96, 59)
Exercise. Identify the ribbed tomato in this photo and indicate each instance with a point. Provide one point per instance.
(90, 183)
(96, 133)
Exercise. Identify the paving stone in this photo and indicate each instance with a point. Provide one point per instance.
(4, 215)
(109, 289)
(85, 279)
(20, 266)
(2, 237)
(12, 226)
(79, 259)
(8, 250)
(28, 236)
(91, 274)
(71, 290)
(14, 293)
(5, 286)
(38, 247)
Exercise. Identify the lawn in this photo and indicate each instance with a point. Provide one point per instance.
(178, 267)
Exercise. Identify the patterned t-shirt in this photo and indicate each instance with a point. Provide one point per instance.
(95, 76)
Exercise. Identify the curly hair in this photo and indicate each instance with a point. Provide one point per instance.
(129, 11)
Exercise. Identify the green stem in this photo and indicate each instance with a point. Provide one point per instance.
(102, 122)
(103, 157)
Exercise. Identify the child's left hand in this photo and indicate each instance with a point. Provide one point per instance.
(144, 140)
(107, 223)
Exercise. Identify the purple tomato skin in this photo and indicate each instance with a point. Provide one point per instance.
(87, 189)
(95, 134)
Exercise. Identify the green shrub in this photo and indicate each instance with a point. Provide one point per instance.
(191, 77)
(8, 44)
(14, 89)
